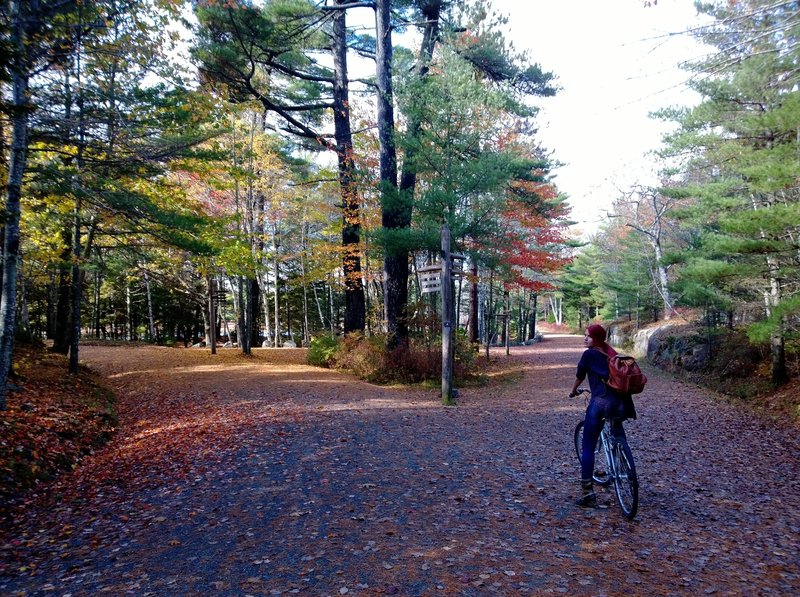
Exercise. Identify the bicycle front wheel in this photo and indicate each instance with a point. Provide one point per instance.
(626, 484)
(602, 469)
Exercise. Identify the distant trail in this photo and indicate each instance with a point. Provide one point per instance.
(264, 476)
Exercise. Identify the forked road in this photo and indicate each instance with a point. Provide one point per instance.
(241, 477)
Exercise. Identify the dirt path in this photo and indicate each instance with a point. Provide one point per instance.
(260, 477)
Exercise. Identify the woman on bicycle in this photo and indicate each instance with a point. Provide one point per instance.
(604, 404)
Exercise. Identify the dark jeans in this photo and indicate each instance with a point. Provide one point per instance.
(592, 425)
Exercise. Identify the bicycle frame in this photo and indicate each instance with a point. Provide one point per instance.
(621, 471)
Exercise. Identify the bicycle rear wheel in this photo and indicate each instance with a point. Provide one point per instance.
(626, 484)
(601, 474)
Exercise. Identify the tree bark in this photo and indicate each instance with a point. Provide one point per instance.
(395, 259)
(245, 315)
(19, 157)
(447, 318)
(276, 303)
(254, 312)
(77, 277)
(397, 206)
(473, 306)
(666, 297)
(151, 325)
(211, 328)
(62, 312)
(96, 305)
(780, 374)
(772, 299)
(76, 294)
(355, 306)
(534, 307)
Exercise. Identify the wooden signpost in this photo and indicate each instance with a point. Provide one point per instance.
(447, 318)
(439, 278)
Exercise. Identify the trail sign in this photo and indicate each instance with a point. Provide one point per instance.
(430, 278)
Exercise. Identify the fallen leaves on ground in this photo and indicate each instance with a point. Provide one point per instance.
(52, 420)
(236, 475)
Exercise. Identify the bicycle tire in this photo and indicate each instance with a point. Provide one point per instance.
(602, 478)
(626, 483)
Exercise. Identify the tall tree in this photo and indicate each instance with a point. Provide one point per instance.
(397, 201)
(355, 306)
(268, 54)
(111, 132)
(648, 212)
(36, 40)
(744, 140)
(392, 212)
(471, 42)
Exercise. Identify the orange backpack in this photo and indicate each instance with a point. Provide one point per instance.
(624, 375)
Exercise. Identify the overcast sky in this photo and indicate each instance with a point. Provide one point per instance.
(616, 62)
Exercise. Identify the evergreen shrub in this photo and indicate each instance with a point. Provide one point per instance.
(321, 350)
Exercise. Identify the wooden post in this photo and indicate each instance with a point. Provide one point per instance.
(488, 317)
(212, 316)
(508, 323)
(447, 318)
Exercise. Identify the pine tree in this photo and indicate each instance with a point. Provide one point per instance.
(269, 54)
(744, 139)
(35, 39)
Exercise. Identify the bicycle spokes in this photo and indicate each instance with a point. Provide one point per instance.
(626, 485)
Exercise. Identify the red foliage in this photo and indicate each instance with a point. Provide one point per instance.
(536, 239)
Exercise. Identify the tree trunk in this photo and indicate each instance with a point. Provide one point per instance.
(254, 313)
(306, 332)
(332, 319)
(263, 288)
(244, 333)
(128, 312)
(397, 205)
(395, 261)
(77, 291)
(447, 318)
(662, 281)
(780, 374)
(24, 316)
(507, 321)
(489, 314)
(151, 325)
(19, 156)
(96, 305)
(62, 312)
(211, 328)
(556, 304)
(276, 304)
(319, 305)
(473, 306)
(355, 306)
(77, 277)
(534, 308)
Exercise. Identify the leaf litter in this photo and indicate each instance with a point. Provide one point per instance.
(264, 476)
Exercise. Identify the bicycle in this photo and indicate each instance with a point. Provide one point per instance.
(613, 452)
